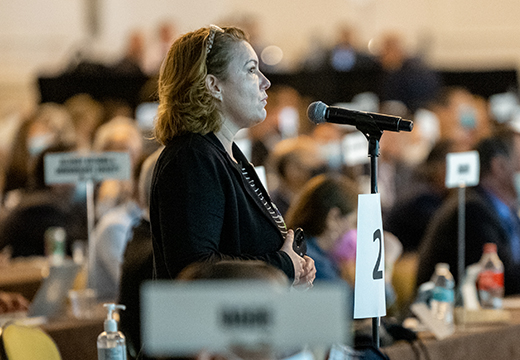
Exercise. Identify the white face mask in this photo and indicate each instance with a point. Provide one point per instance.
(333, 153)
(39, 143)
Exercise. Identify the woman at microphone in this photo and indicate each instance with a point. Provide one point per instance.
(207, 202)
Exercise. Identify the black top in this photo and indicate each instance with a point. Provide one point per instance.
(203, 208)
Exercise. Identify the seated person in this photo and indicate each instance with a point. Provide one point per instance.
(325, 209)
(42, 206)
(491, 216)
(293, 162)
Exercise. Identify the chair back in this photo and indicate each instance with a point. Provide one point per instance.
(23, 342)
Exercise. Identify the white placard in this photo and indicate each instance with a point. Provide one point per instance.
(74, 167)
(369, 291)
(355, 149)
(182, 318)
(462, 169)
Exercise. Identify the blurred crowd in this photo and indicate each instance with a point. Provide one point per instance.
(313, 172)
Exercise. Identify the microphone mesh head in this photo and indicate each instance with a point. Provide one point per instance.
(316, 112)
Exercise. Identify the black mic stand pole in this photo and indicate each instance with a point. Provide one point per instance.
(373, 135)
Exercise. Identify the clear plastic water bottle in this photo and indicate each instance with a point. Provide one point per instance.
(490, 281)
(443, 295)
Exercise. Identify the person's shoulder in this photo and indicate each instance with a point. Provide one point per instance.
(189, 143)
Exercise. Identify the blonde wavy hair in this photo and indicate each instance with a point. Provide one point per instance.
(185, 104)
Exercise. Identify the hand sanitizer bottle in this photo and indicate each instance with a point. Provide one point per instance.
(111, 343)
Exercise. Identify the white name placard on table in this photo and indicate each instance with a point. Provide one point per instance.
(74, 167)
(182, 318)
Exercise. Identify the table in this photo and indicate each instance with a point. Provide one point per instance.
(76, 339)
(501, 341)
(23, 275)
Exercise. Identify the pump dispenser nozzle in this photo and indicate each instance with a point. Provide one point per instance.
(111, 323)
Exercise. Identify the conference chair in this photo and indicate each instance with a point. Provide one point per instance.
(23, 342)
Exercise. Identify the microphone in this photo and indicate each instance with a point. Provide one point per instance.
(318, 112)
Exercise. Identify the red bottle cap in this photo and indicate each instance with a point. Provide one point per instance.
(490, 248)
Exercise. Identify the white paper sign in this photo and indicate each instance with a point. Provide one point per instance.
(462, 169)
(355, 149)
(369, 291)
(73, 167)
(181, 318)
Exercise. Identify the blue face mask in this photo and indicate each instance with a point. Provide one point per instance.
(467, 117)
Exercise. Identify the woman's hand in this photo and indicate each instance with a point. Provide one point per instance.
(304, 270)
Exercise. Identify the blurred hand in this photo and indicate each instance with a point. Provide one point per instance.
(11, 302)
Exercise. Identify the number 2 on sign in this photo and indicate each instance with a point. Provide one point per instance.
(377, 273)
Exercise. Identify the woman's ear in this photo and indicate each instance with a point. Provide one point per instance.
(213, 86)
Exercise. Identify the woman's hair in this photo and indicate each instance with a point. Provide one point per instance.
(185, 104)
(321, 194)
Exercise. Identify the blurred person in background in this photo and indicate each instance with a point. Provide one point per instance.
(491, 216)
(108, 242)
(49, 125)
(87, 115)
(405, 78)
(132, 61)
(410, 215)
(166, 33)
(463, 116)
(325, 209)
(291, 164)
(207, 201)
(346, 55)
(137, 264)
(123, 135)
(41, 206)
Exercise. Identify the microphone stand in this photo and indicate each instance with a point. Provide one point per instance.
(373, 135)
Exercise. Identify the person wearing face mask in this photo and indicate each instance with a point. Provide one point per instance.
(207, 202)
(292, 163)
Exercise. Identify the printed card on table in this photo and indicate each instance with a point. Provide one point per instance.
(369, 292)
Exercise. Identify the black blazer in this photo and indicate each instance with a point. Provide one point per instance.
(202, 208)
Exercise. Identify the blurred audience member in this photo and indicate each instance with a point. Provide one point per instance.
(234, 269)
(394, 172)
(462, 116)
(109, 238)
(346, 56)
(329, 138)
(491, 216)
(87, 115)
(137, 265)
(405, 78)
(49, 125)
(12, 302)
(119, 134)
(132, 61)
(156, 52)
(409, 217)
(41, 206)
(325, 209)
(293, 162)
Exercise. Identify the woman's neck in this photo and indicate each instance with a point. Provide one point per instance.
(226, 135)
